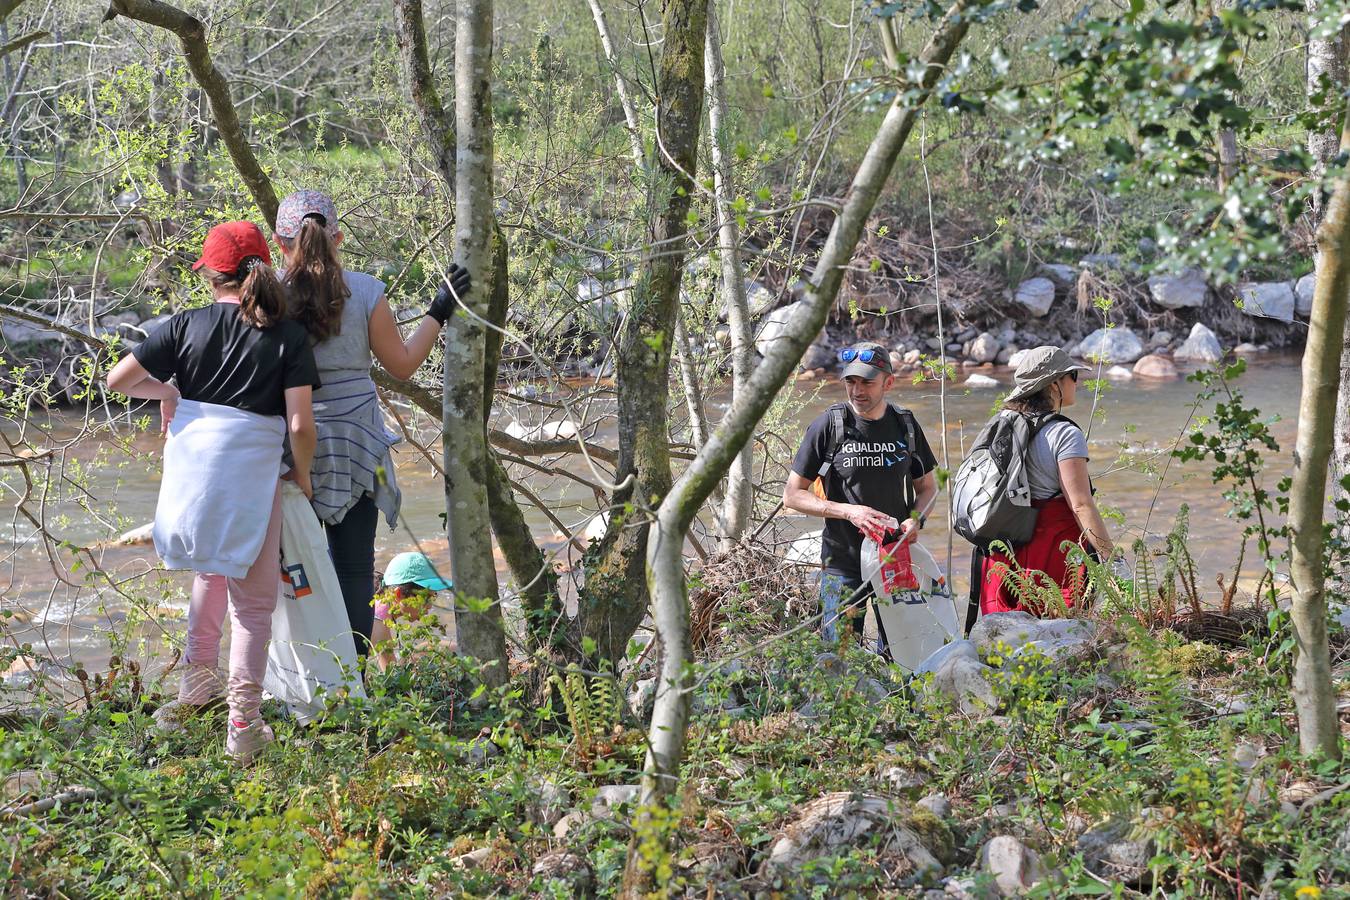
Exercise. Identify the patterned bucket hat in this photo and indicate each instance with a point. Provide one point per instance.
(293, 211)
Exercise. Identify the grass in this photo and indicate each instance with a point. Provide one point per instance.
(387, 797)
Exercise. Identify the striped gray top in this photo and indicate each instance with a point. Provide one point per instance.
(353, 440)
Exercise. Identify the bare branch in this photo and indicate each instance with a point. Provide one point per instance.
(191, 34)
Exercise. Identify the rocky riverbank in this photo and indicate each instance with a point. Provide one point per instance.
(1131, 323)
(1102, 309)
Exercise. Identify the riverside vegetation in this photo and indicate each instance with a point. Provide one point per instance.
(1145, 747)
(961, 180)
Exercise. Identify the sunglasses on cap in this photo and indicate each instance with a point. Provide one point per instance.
(862, 356)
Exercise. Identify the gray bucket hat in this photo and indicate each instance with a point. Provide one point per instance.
(1042, 367)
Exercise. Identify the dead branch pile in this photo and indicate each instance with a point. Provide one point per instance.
(748, 593)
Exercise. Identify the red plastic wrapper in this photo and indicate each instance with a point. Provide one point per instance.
(897, 571)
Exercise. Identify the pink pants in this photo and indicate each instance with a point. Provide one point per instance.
(250, 601)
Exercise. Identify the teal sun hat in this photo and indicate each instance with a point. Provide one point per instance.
(414, 568)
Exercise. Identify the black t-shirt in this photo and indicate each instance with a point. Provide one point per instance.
(875, 463)
(219, 358)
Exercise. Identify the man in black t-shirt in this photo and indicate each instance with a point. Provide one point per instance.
(877, 479)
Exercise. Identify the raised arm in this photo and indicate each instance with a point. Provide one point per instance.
(400, 358)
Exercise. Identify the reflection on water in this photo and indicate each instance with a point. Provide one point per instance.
(1135, 426)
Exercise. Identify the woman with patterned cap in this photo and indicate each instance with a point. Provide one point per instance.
(349, 320)
(1046, 381)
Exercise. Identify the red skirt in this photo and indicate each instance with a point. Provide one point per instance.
(1042, 555)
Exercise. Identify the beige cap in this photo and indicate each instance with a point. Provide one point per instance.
(1041, 367)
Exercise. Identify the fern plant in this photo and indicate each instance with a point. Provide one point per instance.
(592, 706)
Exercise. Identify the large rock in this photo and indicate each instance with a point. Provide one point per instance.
(774, 327)
(1064, 277)
(1111, 346)
(983, 348)
(610, 798)
(845, 819)
(1118, 851)
(1186, 290)
(960, 674)
(1268, 300)
(1036, 295)
(1015, 629)
(819, 355)
(1016, 868)
(981, 381)
(1201, 346)
(1303, 294)
(566, 871)
(1155, 366)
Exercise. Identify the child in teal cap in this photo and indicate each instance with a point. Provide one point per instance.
(410, 582)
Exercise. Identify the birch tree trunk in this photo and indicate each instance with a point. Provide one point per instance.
(538, 583)
(630, 117)
(614, 598)
(468, 467)
(1314, 691)
(739, 499)
(670, 717)
(1326, 78)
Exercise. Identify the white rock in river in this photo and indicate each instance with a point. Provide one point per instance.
(1180, 291)
(1201, 346)
(1035, 295)
(981, 381)
(984, 348)
(1155, 366)
(1268, 299)
(1119, 373)
(1111, 346)
(774, 327)
(1303, 294)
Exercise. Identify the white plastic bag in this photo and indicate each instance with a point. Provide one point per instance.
(917, 622)
(312, 657)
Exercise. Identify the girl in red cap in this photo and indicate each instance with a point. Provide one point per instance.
(233, 378)
(349, 319)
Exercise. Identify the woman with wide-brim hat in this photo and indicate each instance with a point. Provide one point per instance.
(1045, 383)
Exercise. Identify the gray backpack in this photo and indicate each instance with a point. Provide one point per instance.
(991, 499)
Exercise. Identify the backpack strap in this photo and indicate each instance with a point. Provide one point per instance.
(836, 431)
(907, 419)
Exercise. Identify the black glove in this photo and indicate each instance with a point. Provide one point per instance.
(458, 281)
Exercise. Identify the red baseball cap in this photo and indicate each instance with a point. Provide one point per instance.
(229, 244)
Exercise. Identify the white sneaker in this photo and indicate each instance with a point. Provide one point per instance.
(243, 742)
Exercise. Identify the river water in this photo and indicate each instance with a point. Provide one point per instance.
(70, 615)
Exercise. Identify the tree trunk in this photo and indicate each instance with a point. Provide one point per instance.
(630, 117)
(1314, 690)
(1325, 82)
(535, 577)
(1228, 156)
(614, 599)
(536, 580)
(739, 499)
(468, 466)
(670, 716)
(191, 34)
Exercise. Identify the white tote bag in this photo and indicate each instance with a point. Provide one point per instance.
(312, 657)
